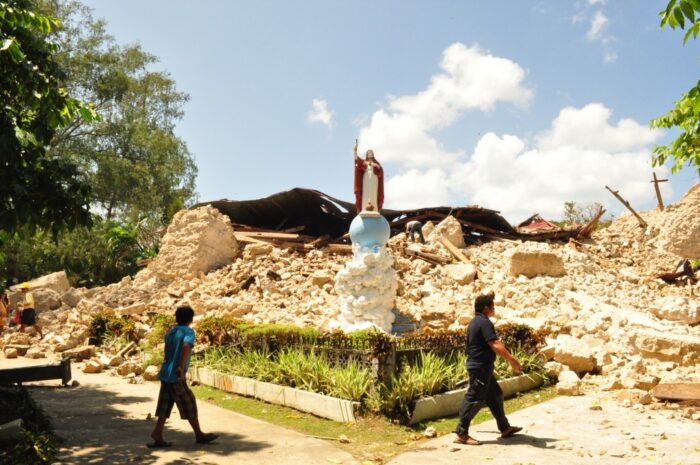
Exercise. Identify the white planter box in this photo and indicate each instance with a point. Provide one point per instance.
(318, 404)
(448, 404)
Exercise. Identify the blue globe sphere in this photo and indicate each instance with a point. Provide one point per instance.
(369, 231)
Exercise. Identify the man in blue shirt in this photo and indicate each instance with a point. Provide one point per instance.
(173, 386)
(482, 347)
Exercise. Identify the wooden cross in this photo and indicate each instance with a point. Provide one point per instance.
(660, 203)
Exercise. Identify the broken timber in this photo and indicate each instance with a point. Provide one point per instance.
(588, 228)
(627, 205)
(677, 391)
(659, 200)
(428, 257)
(454, 250)
(37, 373)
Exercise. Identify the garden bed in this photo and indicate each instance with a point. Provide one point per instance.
(320, 405)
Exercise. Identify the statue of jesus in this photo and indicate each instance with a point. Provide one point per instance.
(369, 183)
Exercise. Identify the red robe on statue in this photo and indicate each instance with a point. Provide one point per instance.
(360, 168)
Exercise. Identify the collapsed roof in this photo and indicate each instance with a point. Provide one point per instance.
(318, 214)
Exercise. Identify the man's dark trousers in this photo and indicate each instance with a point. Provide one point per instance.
(483, 390)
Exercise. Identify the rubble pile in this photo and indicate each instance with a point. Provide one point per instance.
(612, 323)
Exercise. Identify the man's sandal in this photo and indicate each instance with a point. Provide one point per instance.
(511, 431)
(156, 444)
(466, 440)
(207, 438)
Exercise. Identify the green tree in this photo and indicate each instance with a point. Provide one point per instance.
(37, 187)
(685, 149)
(96, 255)
(576, 213)
(136, 165)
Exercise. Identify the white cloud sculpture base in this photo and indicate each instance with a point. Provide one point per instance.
(366, 288)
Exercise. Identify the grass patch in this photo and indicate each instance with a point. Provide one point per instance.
(372, 438)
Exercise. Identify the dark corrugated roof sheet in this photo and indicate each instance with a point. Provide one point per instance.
(321, 214)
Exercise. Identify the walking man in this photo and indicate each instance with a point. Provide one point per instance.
(173, 385)
(413, 229)
(482, 347)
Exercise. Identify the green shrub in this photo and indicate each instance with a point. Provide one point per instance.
(151, 345)
(160, 325)
(515, 336)
(351, 381)
(304, 370)
(107, 324)
(216, 329)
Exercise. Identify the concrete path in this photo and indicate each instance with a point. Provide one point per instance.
(104, 420)
(565, 430)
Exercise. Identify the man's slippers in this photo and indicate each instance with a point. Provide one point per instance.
(466, 440)
(158, 444)
(511, 431)
(207, 438)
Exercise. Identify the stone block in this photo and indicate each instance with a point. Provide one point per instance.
(129, 368)
(92, 366)
(535, 259)
(569, 384)
(10, 352)
(460, 273)
(449, 228)
(71, 297)
(151, 373)
(35, 352)
(80, 353)
(573, 353)
(136, 309)
(634, 396)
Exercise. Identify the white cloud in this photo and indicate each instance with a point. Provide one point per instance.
(610, 56)
(471, 78)
(597, 2)
(320, 113)
(598, 24)
(588, 128)
(580, 152)
(579, 17)
(573, 160)
(416, 189)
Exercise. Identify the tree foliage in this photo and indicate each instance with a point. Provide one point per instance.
(37, 188)
(685, 149)
(136, 165)
(139, 172)
(101, 254)
(576, 213)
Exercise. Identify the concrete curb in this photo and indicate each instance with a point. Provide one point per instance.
(318, 404)
(448, 403)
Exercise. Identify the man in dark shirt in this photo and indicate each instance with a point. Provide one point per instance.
(482, 347)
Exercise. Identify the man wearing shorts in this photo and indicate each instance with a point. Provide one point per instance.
(173, 386)
(28, 311)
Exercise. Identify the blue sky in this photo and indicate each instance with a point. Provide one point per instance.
(513, 105)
